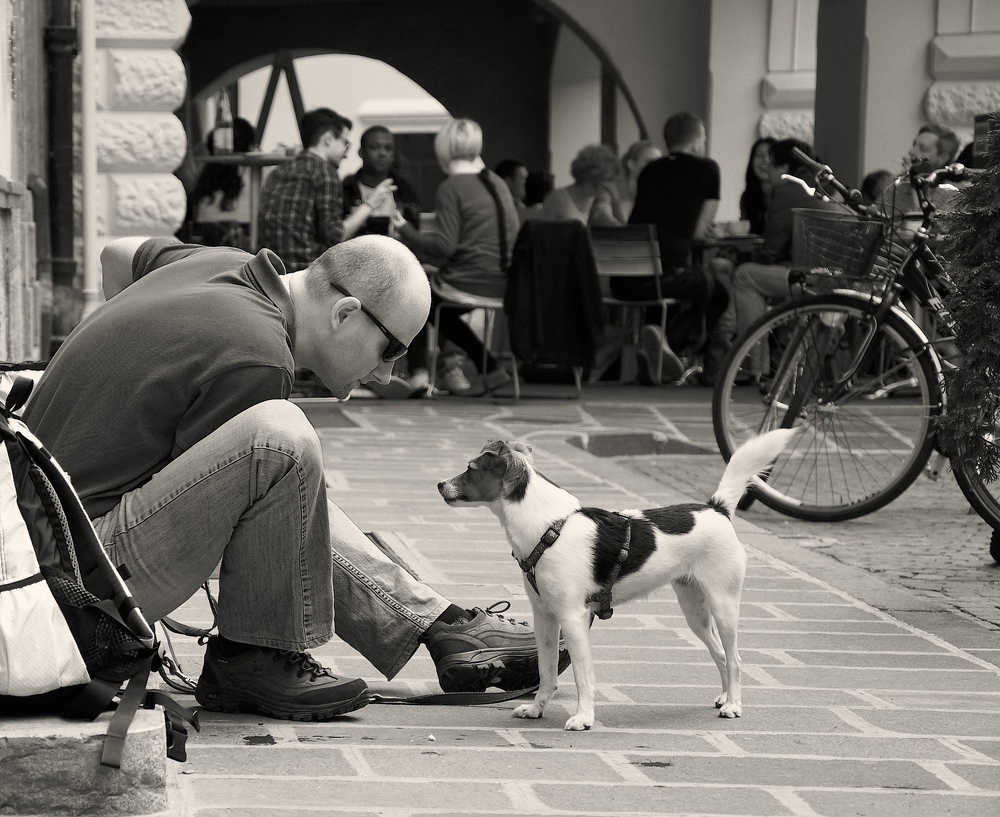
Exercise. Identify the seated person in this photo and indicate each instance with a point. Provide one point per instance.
(377, 150)
(219, 205)
(616, 198)
(757, 192)
(591, 169)
(515, 174)
(766, 276)
(679, 193)
(477, 225)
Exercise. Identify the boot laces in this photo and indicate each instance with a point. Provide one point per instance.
(499, 607)
(303, 663)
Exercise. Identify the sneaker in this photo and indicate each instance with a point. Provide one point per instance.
(454, 381)
(487, 650)
(280, 683)
(650, 342)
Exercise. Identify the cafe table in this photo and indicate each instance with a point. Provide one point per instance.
(739, 243)
(256, 161)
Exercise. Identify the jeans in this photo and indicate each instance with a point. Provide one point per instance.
(753, 284)
(294, 567)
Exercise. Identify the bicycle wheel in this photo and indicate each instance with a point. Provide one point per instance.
(984, 497)
(863, 392)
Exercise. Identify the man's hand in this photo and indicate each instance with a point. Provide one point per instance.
(382, 191)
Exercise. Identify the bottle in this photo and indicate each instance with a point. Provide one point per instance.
(222, 135)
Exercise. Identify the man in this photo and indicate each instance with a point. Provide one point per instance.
(167, 405)
(934, 147)
(378, 154)
(301, 211)
(679, 193)
(515, 174)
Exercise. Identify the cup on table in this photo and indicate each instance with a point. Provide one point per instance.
(741, 227)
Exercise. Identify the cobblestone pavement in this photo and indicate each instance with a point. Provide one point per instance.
(866, 674)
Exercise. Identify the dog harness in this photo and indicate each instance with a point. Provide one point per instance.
(603, 597)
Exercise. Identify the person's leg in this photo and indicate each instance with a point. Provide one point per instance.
(753, 284)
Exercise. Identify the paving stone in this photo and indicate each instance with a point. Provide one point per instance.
(706, 718)
(514, 762)
(929, 722)
(639, 799)
(885, 679)
(900, 804)
(874, 658)
(860, 747)
(288, 759)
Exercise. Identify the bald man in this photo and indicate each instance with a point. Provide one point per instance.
(168, 407)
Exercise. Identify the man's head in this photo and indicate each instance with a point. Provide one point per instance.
(515, 174)
(350, 304)
(936, 144)
(377, 150)
(685, 132)
(325, 133)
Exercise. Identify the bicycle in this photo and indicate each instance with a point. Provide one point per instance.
(847, 362)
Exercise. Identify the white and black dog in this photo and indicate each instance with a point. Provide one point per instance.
(573, 556)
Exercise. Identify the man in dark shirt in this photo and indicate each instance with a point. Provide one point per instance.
(301, 211)
(378, 155)
(679, 193)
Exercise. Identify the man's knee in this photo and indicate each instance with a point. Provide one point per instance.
(284, 426)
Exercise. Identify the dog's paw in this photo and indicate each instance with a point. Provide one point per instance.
(531, 710)
(579, 723)
(720, 701)
(728, 710)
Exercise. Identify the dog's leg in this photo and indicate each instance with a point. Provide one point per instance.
(547, 638)
(691, 596)
(576, 631)
(726, 610)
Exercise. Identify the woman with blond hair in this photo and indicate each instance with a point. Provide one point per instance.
(593, 167)
(477, 224)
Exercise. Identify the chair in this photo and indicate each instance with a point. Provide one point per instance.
(452, 298)
(631, 252)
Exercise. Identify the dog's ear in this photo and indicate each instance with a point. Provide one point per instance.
(521, 448)
(518, 473)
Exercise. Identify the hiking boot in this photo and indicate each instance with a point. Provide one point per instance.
(280, 683)
(486, 650)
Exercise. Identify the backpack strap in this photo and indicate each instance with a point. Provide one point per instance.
(484, 177)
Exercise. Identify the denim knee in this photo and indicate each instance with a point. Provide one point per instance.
(282, 425)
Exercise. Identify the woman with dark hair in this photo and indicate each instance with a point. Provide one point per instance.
(592, 167)
(219, 205)
(757, 192)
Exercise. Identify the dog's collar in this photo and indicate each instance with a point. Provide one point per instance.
(603, 597)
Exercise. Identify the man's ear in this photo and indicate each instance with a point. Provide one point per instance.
(342, 310)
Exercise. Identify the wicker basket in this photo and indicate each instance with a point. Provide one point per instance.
(835, 249)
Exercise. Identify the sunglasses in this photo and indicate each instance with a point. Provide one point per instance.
(396, 348)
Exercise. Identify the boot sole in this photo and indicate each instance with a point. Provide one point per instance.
(235, 704)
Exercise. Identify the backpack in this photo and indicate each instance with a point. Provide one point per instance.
(70, 632)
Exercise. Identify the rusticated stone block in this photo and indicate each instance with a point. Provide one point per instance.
(139, 141)
(149, 79)
(787, 124)
(145, 204)
(957, 103)
(151, 22)
(53, 766)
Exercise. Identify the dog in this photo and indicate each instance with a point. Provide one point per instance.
(577, 560)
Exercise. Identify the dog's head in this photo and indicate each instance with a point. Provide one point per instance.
(500, 472)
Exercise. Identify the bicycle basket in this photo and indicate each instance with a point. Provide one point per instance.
(835, 250)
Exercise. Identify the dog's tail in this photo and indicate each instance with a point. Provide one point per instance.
(750, 459)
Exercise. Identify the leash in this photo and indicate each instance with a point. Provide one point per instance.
(452, 698)
(602, 597)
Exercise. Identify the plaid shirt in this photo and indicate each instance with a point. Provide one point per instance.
(301, 210)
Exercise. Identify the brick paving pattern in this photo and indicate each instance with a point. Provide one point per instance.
(870, 649)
